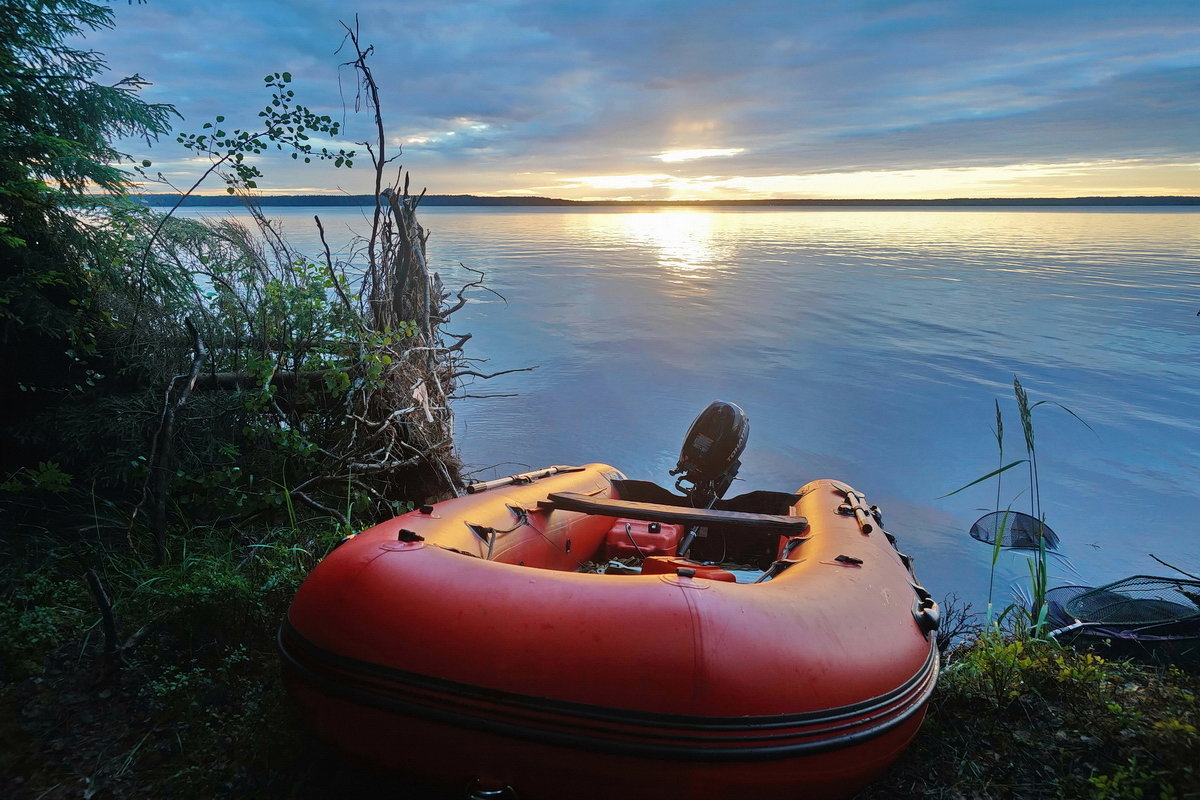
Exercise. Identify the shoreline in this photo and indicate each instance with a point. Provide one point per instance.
(334, 200)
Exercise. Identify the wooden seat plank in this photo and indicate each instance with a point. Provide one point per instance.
(779, 524)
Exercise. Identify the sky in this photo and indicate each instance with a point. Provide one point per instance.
(692, 99)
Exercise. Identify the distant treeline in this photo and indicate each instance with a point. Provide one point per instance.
(473, 200)
(226, 200)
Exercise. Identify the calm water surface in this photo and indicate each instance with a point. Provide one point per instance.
(867, 345)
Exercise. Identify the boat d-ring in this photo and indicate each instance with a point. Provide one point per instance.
(490, 790)
(925, 611)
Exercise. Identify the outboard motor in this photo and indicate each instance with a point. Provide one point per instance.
(711, 449)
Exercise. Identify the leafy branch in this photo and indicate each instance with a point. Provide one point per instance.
(286, 124)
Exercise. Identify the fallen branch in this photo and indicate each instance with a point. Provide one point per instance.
(383, 466)
(311, 503)
(389, 418)
(233, 381)
(487, 376)
(481, 396)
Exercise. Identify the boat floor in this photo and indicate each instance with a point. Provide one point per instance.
(742, 573)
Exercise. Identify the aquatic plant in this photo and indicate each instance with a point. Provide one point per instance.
(1008, 529)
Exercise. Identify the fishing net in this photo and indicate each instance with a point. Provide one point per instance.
(1013, 529)
(1140, 600)
(1058, 597)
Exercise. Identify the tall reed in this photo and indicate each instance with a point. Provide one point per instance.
(1036, 610)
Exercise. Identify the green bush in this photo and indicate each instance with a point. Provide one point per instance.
(36, 615)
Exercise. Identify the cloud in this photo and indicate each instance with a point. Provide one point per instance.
(776, 88)
(675, 156)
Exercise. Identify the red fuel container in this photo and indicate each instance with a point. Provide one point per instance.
(652, 538)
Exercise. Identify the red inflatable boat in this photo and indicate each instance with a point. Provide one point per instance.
(467, 646)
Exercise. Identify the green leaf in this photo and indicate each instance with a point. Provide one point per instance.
(991, 474)
(999, 545)
(1064, 408)
(287, 77)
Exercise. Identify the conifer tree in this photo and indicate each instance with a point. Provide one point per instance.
(58, 122)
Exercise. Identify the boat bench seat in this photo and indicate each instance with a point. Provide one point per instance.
(775, 524)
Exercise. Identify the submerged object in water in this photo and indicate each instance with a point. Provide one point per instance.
(1145, 616)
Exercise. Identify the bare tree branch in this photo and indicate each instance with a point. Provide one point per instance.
(486, 376)
(337, 284)
(156, 479)
(112, 650)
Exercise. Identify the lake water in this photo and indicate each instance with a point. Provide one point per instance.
(864, 344)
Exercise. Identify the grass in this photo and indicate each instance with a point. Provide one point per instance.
(1021, 717)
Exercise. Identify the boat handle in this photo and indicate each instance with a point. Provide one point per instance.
(925, 611)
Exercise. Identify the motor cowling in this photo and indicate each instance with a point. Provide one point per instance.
(709, 459)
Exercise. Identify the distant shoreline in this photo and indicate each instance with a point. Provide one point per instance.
(229, 201)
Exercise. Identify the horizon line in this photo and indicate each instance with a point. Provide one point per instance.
(163, 198)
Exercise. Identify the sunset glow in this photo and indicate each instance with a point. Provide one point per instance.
(675, 156)
(759, 100)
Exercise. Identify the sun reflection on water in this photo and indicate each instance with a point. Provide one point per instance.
(686, 243)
